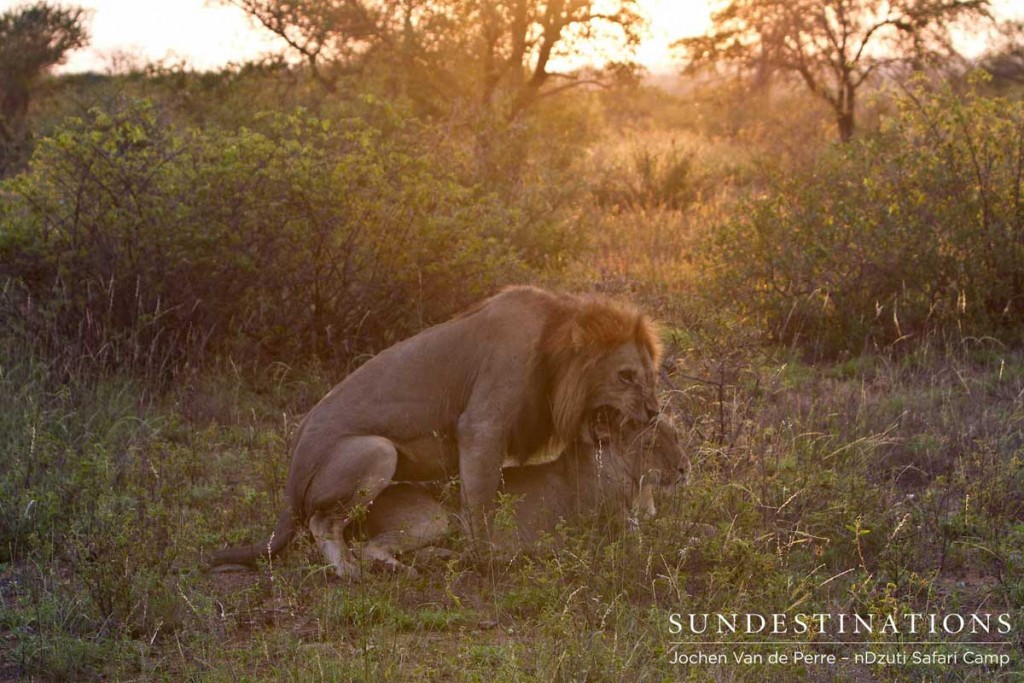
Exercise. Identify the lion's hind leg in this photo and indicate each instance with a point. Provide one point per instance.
(328, 530)
(403, 518)
(353, 475)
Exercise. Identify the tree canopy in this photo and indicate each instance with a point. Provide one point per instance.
(832, 46)
(495, 54)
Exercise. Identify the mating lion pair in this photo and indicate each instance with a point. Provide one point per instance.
(524, 372)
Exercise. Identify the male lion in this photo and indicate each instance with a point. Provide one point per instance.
(510, 377)
(614, 471)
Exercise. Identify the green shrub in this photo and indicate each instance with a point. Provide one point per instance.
(914, 231)
(649, 179)
(133, 243)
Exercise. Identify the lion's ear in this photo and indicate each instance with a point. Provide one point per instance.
(646, 335)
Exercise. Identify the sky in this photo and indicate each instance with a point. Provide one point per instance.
(208, 34)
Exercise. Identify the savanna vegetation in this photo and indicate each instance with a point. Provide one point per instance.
(190, 260)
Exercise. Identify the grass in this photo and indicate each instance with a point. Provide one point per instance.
(876, 484)
(889, 482)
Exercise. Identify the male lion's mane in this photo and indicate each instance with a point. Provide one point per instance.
(578, 331)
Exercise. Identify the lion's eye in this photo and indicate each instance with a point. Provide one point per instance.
(628, 376)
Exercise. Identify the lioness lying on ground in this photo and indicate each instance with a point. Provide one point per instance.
(613, 471)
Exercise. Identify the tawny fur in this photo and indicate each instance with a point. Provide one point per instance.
(508, 378)
(613, 473)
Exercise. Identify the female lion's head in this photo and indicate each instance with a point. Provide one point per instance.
(633, 459)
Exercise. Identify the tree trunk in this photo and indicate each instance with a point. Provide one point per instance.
(845, 123)
(845, 115)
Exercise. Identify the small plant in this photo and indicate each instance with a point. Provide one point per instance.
(650, 179)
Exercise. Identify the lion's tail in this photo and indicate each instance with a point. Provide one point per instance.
(248, 554)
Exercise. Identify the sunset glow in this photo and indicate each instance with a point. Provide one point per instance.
(670, 21)
(207, 35)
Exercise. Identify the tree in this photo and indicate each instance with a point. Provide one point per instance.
(483, 64)
(33, 39)
(832, 46)
(496, 54)
(332, 37)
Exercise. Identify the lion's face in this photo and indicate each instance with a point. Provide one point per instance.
(663, 460)
(624, 381)
(633, 458)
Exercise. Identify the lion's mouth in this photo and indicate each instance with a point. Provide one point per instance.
(605, 420)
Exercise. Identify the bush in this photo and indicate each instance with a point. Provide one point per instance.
(649, 179)
(915, 231)
(133, 243)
